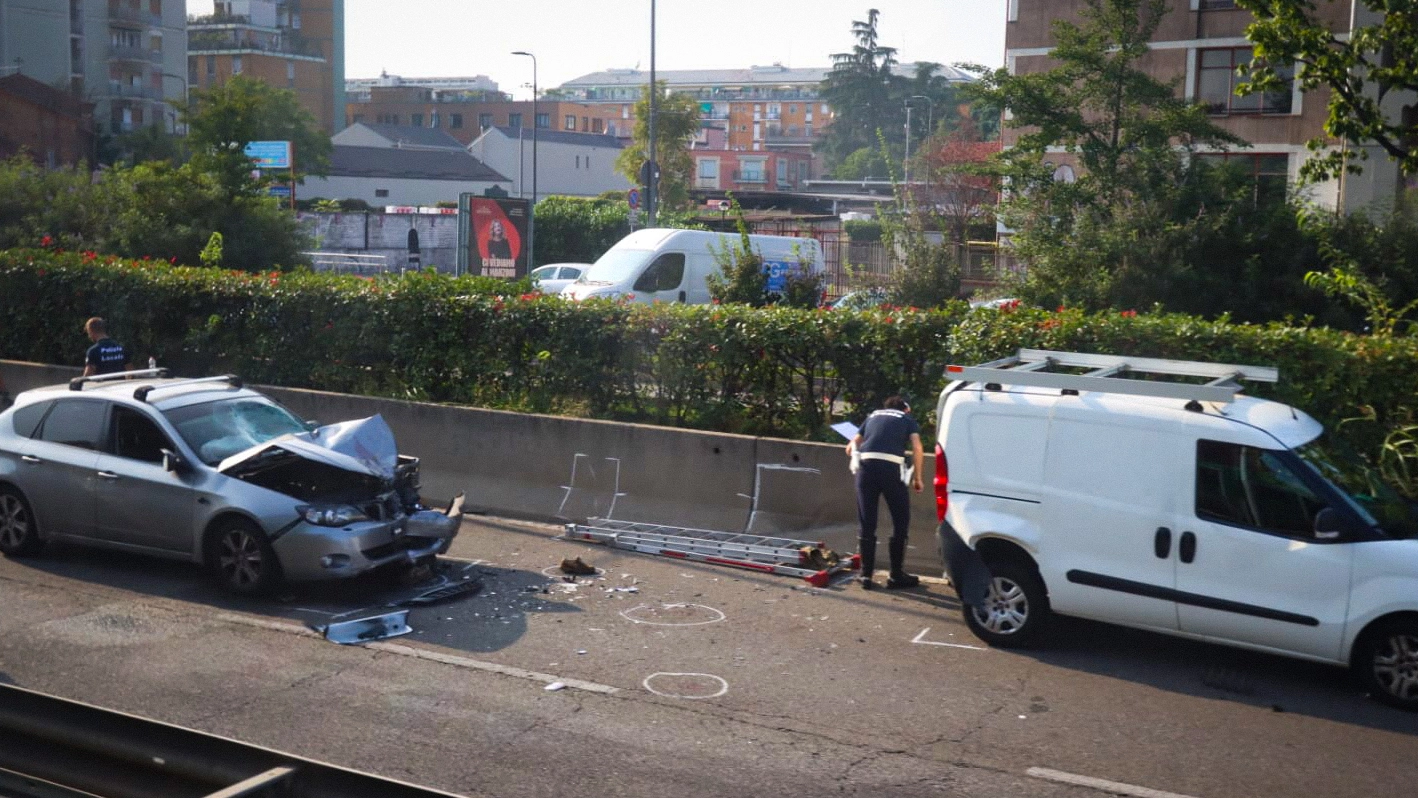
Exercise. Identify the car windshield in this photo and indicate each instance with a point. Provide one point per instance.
(1363, 485)
(218, 430)
(617, 265)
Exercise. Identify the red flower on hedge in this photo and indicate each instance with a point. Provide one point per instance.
(46, 241)
(1128, 314)
(172, 260)
(529, 297)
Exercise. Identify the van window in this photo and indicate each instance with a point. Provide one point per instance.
(1246, 486)
(665, 274)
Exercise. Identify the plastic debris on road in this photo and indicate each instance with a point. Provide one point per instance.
(366, 630)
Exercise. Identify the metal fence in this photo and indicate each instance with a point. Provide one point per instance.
(346, 263)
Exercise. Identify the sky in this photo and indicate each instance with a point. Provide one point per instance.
(571, 38)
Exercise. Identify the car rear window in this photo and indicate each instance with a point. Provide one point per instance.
(27, 418)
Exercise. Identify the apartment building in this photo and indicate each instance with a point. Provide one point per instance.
(466, 112)
(1199, 44)
(291, 44)
(123, 56)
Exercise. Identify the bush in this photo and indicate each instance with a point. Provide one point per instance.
(775, 371)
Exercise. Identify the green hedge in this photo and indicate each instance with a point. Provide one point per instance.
(776, 371)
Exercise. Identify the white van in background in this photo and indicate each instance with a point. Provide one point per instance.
(672, 265)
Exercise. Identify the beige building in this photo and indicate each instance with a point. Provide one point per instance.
(1199, 43)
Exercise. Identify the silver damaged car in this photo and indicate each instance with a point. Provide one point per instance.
(210, 471)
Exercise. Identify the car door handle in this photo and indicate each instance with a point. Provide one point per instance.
(1187, 547)
(1162, 543)
(107, 475)
(29, 458)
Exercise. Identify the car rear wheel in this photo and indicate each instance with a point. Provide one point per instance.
(1387, 663)
(241, 559)
(1015, 611)
(19, 534)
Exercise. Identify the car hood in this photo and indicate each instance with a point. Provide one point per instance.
(353, 461)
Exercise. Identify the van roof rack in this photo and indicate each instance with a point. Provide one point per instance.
(78, 383)
(1107, 374)
(141, 393)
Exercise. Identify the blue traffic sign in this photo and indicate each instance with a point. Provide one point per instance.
(269, 154)
(634, 197)
(278, 191)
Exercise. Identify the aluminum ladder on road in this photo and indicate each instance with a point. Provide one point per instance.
(1110, 374)
(807, 559)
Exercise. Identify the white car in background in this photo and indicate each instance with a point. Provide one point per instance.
(553, 277)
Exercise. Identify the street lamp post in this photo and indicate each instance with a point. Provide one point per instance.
(532, 215)
(186, 100)
(930, 122)
(651, 187)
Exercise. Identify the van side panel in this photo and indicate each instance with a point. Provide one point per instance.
(1110, 489)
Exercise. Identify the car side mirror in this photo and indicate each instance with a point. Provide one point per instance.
(1327, 524)
(172, 462)
(312, 425)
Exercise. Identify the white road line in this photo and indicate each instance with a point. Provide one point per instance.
(919, 638)
(432, 656)
(1114, 787)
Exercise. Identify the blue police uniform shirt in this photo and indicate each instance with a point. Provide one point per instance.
(888, 432)
(106, 356)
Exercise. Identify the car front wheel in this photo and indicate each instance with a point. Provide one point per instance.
(241, 558)
(19, 534)
(1016, 609)
(1387, 663)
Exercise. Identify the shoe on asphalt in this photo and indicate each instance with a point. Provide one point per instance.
(577, 568)
(902, 581)
(866, 583)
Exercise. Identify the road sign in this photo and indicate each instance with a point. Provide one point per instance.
(269, 154)
(278, 191)
(634, 197)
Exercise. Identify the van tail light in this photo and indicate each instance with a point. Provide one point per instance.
(942, 483)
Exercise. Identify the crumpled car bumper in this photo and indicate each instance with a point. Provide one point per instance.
(308, 552)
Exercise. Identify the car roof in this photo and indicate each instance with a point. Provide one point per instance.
(173, 392)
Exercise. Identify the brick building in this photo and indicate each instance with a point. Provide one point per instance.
(53, 127)
(290, 44)
(466, 112)
(1200, 43)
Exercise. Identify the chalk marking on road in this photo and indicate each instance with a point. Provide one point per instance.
(629, 615)
(1114, 787)
(920, 638)
(432, 656)
(723, 686)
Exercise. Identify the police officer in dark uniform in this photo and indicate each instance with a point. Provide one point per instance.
(106, 355)
(880, 447)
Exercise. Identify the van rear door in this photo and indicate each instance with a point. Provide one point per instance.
(1108, 543)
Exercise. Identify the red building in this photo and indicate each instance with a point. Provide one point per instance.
(51, 125)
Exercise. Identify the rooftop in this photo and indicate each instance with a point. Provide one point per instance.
(415, 164)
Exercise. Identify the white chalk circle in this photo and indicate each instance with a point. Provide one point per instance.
(693, 686)
(673, 615)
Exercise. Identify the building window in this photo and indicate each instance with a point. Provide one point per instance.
(236, 65)
(597, 125)
(708, 168)
(381, 192)
(455, 121)
(1215, 5)
(1217, 78)
(514, 120)
(211, 68)
(570, 122)
(416, 120)
(1270, 171)
(290, 74)
(433, 119)
(484, 121)
(155, 6)
(782, 171)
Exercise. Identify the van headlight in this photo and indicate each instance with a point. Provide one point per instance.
(331, 514)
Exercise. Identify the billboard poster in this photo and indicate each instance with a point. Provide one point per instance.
(497, 236)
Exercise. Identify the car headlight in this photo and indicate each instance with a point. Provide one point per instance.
(331, 515)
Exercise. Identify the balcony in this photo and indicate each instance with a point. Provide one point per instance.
(790, 136)
(751, 177)
(206, 41)
(125, 15)
(127, 91)
(136, 54)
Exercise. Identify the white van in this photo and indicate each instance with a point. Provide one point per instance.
(664, 265)
(1177, 507)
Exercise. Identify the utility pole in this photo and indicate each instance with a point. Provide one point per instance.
(532, 213)
(651, 187)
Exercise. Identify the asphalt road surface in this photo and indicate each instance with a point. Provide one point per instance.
(688, 680)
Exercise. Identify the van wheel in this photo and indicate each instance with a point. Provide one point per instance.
(19, 534)
(1015, 611)
(241, 559)
(1387, 663)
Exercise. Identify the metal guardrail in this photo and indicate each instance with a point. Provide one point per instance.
(347, 263)
(51, 747)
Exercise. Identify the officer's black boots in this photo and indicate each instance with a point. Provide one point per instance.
(899, 579)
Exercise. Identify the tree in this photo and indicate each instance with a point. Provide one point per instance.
(1086, 240)
(676, 123)
(959, 180)
(222, 120)
(1371, 73)
(860, 92)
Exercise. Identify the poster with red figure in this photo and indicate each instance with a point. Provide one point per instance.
(499, 235)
